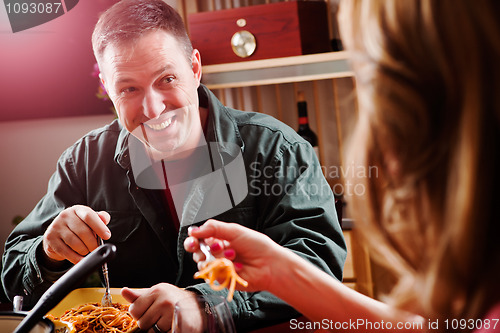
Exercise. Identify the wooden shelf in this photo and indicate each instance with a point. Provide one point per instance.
(278, 70)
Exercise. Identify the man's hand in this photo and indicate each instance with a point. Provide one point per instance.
(72, 234)
(155, 306)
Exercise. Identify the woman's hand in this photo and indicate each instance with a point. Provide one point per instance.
(253, 253)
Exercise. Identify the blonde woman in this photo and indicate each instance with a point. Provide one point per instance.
(428, 84)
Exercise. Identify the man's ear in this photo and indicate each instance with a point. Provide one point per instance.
(103, 83)
(101, 77)
(196, 65)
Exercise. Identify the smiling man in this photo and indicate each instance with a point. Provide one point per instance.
(174, 154)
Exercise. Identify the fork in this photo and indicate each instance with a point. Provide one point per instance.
(206, 251)
(106, 299)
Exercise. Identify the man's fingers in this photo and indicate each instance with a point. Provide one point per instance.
(79, 236)
(139, 299)
(60, 251)
(105, 217)
(150, 317)
(72, 234)
(79, 242)
(61, 242)
(94, 220)
(143, 307)
(130, 295)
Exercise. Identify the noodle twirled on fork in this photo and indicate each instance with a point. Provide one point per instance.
(223, 269)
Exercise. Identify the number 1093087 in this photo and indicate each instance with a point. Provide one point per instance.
(473, 324)
(33, 7)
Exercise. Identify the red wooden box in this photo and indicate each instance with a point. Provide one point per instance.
(280, 29)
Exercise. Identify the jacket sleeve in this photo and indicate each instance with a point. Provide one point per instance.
(22, 273)
(295, 208)
(300, 210)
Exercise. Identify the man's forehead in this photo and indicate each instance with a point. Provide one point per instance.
(123, 55)
(124, 76)
(131, 42)
(123, 49)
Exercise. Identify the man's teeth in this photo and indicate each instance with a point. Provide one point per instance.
(159, 127)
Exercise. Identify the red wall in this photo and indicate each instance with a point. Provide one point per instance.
(46, 71)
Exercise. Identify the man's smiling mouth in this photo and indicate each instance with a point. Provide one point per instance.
(160, 126)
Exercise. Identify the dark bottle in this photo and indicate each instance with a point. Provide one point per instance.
(304, 130)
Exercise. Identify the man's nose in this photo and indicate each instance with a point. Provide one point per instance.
(153, 104)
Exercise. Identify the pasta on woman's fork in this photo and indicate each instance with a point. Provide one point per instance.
(221, 269)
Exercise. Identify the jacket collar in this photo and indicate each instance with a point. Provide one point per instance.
(122, 156)
(221, 128)
(221, 124)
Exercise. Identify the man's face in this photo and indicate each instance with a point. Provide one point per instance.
(154, 90)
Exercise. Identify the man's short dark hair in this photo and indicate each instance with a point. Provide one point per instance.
(128, 20)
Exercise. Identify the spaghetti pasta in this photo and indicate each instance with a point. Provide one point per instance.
(94, 318)
(221, 269)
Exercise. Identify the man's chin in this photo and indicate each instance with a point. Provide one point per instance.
(162, 151)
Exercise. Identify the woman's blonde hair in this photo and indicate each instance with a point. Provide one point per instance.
(428, 86)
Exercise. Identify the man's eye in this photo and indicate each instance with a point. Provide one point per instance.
(128, 90)
(168, 79)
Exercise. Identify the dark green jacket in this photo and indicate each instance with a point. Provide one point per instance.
(288, 199)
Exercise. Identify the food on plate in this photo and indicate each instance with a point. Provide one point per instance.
(94, 318)
(221, 269)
